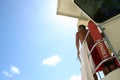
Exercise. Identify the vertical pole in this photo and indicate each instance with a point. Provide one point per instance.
(99, 76)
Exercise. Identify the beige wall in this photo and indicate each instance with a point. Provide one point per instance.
(114, 75)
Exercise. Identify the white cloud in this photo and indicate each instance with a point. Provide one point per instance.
(51, 61)
(7, 74)
(14, 70)
(76, 77)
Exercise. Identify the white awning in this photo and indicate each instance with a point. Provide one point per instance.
(69, 8)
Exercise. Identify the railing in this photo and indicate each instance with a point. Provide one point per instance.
(115, 55)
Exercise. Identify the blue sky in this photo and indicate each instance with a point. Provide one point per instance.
(35, 43)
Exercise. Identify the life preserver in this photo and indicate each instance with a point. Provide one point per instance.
(96, 35)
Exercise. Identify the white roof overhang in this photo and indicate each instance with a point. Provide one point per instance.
(69, 8)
